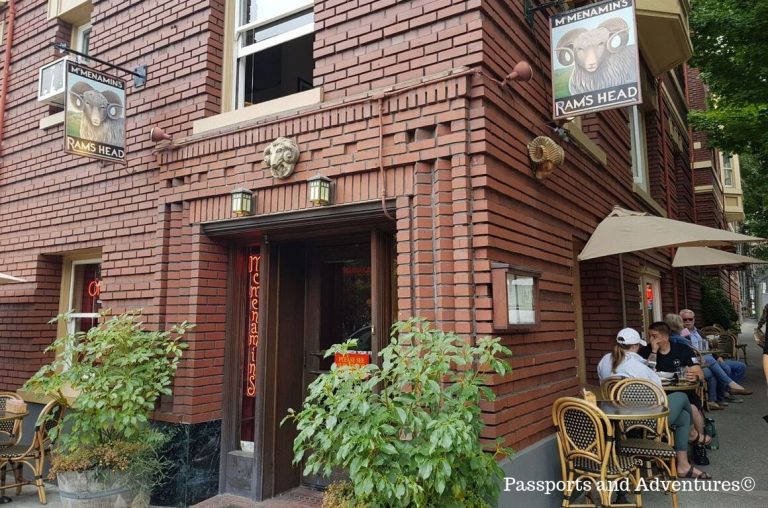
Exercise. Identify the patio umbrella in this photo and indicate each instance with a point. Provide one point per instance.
(9, 279)
(629, 231)
(704, 256)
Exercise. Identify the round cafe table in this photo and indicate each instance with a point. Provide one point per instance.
(680, 386)
(4, 417)
(615, 410)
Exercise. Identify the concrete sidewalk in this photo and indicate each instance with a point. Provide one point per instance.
(743, 454)
(743, 451)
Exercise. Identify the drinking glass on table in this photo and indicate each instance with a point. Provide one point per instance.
(681, 371)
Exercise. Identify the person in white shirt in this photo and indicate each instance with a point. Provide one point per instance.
(624, 361)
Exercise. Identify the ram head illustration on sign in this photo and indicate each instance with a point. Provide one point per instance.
(95, 114)
(595, 60)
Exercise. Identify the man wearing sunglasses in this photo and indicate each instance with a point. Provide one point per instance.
(729, 373)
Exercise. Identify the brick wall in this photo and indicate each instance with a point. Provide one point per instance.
(453, 155)
(53, 203)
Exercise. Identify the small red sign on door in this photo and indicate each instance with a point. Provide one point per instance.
(352, 359)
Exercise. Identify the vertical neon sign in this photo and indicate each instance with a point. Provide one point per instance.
(254, 278)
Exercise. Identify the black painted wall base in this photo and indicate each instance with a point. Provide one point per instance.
(194, 452)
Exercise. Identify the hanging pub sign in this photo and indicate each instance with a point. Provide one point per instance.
(595, 64)
(94, 117)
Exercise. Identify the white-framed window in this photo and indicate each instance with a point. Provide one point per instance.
(84, 299)
(81, 36)
(639, 148)
(728, 170)
(273, 49)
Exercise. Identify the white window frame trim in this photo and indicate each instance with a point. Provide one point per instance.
(72, 316)
(639, 148)
(238, 92)
(77, 41)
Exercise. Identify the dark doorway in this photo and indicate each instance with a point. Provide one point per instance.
(312, 294)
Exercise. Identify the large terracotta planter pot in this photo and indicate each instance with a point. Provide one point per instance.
(98, 489)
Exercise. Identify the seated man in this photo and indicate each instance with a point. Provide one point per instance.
(729, 373)
(680, 335)
(665, 356)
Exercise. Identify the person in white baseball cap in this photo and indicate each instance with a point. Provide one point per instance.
(624, 361)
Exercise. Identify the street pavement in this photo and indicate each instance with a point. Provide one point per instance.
(742, 455)
(743, 451)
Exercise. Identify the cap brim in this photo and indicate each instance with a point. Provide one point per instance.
(643, 343)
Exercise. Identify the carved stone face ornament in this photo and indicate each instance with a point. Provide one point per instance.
(281, 156)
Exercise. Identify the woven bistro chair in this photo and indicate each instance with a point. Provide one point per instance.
(710, 332)
(607, 384)
(585, 439)
(34, 454)
(10, 430)
(657, 445)
(727, 344)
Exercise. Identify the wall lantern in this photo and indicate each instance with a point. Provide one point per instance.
(242, 202)
(320, 190)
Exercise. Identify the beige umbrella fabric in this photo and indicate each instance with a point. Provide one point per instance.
(9, 279)
(628, 231)
(704, 256)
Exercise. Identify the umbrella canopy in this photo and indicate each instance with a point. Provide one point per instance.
(9, 279)
(628, 231)
(704, 256)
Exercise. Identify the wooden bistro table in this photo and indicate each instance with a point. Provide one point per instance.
(4, 417)
(680, 386)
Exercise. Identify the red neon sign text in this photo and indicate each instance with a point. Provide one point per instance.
(94, 288)
(253, 322)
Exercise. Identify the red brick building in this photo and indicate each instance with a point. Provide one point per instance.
(435, 208)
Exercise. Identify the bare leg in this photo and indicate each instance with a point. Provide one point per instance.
(698, 419)
(683, 466)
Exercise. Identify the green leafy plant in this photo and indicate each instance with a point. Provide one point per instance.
(715, 305)
(408, 433)
(117, 371)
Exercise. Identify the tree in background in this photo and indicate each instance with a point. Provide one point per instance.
(730, 40)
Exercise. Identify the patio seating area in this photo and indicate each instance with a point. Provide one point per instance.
(742, 447)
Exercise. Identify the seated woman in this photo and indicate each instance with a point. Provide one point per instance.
(624, 361)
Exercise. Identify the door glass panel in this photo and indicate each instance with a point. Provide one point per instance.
(345, 304)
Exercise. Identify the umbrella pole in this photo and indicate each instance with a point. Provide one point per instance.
(623, 296)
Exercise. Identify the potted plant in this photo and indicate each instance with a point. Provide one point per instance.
(117, 371)
(407, 433)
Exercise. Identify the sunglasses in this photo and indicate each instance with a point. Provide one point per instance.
(691, 319)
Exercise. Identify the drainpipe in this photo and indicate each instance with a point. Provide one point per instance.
(382, 171)
(6, 66)
(667, 183)
(690, 140)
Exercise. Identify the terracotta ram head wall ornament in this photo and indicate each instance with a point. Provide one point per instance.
(546, 156)
(280, 156)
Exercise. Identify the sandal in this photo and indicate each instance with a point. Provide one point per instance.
(705, 440)
(703, 475)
